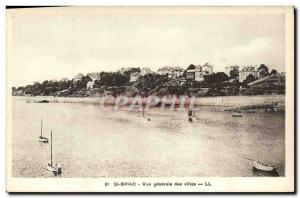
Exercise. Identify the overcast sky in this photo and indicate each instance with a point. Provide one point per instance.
(53, 43)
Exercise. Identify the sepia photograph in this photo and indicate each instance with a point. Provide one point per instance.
(150, 99)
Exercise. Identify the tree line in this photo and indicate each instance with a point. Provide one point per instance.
(149, 82)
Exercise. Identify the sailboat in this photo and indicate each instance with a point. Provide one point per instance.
(260, 166)
(41, 137)
(53, 167)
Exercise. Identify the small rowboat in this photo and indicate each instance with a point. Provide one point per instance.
(42, 101)
(237, 114)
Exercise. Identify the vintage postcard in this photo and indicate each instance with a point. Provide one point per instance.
(150, 99)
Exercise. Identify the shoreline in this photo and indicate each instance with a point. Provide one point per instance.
(223, 101)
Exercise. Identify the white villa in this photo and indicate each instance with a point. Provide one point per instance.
(90, 85)
(171, 72)
(246, 71)
(199, 72)
(94, 77)
(134, 76)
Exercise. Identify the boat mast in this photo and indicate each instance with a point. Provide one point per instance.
(258, 148)
(258, 154)
(51, 147)
(42, 128)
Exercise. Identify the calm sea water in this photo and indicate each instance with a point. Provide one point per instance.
(90, 142)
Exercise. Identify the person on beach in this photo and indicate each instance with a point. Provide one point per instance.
(190, 114)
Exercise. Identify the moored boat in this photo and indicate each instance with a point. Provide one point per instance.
(42, 101)
(237, 114)
(54, 167)
(41, 137)
(259, 166)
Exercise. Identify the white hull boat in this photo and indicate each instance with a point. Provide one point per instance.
(41, 137)
(263, 168)
(54, 167)
(259, 166)
(237, 114)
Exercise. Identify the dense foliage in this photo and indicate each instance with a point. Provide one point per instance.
(159, 83)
